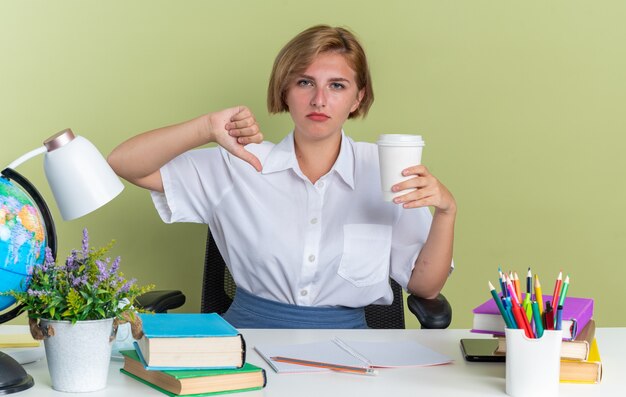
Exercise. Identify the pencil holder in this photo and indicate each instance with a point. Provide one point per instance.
(532, 365)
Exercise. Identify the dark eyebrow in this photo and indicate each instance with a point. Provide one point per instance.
(334, 79)
(340, 79)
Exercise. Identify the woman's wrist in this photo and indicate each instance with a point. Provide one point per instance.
(450, 211)
(205, 128)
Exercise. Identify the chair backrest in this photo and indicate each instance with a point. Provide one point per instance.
(218, 289)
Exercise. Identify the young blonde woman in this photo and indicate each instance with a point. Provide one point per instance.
(301, 224)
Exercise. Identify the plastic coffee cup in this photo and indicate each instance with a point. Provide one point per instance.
(532, 365)
(397, 152)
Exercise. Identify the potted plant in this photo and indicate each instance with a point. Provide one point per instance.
(75, 306)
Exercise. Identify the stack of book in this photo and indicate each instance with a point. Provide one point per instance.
(576, 314)
(580, 357)
(191, 354)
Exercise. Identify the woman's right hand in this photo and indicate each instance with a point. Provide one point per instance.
(234, 128)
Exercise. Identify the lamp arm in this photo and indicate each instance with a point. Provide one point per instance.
(25, 157)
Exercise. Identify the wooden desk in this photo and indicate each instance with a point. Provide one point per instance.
(457, 379)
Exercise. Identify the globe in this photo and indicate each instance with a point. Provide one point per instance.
(23, 238)
(26, 228)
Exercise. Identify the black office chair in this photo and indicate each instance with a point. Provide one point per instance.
(218, 289)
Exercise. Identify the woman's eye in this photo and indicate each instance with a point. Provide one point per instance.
(304, 83)
(337, 86)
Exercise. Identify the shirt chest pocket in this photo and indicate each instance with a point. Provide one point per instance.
(366, 254)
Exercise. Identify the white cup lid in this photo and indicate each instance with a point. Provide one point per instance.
(400, 140)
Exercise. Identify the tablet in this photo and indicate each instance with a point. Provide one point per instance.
(481, 350)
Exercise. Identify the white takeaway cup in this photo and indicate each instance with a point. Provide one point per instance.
(397, 152)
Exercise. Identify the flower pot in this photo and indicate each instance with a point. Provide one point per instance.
(78, 354)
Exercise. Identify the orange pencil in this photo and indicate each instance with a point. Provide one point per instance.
(319, 364)
(518, 288)
(538, 296)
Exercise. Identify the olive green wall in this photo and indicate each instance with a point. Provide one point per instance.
(519, 104)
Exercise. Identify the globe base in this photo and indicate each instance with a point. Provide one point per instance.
(13, 378)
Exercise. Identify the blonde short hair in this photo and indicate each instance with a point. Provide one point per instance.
(300, 52)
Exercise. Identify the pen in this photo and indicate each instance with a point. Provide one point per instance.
(529, 282)
(549, 316)
(495, 296)
(538, 296)
(559, 317)
(319, 364)
(527, 307)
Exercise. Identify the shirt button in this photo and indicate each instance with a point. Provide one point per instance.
(311, 258)
(303, 292)
(320, 184)
(313, 221)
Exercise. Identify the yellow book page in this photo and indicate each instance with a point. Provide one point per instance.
(594, 352)
(17, 340)
(594, 357)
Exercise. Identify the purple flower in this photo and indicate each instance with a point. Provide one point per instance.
(70, 263)
(85, 243)
(36, 293)
(126, 287)
(115, 265)
(103, 273)
(78, 281)
(49, 261)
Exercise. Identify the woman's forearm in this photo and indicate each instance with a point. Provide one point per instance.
(139, 159)
(432, 266)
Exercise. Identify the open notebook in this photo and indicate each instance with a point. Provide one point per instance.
(352, 353)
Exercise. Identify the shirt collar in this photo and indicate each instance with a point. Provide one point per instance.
(283, 157)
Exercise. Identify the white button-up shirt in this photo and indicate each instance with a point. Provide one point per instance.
(332, 243)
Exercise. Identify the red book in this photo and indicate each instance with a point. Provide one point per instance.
(576, 314)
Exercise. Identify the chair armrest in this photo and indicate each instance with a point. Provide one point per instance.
(433, 313)
(161, 301)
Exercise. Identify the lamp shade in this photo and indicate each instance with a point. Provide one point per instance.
(79, 176)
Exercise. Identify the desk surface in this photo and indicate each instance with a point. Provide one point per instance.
(456, 379)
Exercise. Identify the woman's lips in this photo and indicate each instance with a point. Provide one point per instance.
(317, 116)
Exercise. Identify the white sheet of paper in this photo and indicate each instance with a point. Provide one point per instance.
(379, 354)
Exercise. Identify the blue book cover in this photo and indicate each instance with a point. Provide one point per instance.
(185, 325)
(189, 340)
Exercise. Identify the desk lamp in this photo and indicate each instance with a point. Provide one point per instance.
(81, 182)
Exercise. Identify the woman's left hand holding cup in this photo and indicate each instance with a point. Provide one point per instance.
(428, 191)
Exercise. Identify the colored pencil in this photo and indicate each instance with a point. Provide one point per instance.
(521, 320)
(538, 294)
(537, 319)
(319, 364)
(496, 298)
(501, 280)
(564, 289)
(557, 291)
(518, 288)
